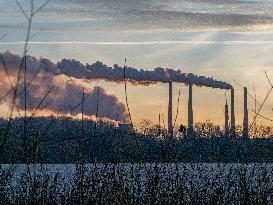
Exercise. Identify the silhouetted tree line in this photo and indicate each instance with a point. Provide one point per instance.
(59, 140)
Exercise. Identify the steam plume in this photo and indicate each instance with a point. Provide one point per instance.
(98, 70)
(66, 95)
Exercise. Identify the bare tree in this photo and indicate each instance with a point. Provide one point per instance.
(29, 15)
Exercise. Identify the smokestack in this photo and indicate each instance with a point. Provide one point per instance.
(170, 111)
(190, 111)
(245, 122)
(232, 128)
(226, 119)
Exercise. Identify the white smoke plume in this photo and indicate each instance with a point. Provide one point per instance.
(70, 76)
(66, 95)
(98, 70)
(74, 68)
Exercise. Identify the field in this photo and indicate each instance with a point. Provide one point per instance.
(125, 183)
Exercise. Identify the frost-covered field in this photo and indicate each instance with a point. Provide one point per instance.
(138, 184)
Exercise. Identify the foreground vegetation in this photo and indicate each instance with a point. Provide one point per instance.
(137, 184)
(64, 140)
(65, 161)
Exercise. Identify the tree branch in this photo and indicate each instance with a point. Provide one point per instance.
(22, 10)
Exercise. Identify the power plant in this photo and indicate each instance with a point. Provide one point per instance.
(190, 111)
(226, 119)
(228, 131)
(232, 123)
(170, 110)
(245, 122)
(117, 74)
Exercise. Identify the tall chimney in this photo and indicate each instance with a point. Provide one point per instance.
(232, 127)
(245, 123)
(170, 111)
(190, 111)
(226, 119)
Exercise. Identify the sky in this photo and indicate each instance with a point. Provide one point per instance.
(228, 40)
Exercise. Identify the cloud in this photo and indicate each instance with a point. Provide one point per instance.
(136, 43)
(151, 15)
(176, 19)
(176, 14)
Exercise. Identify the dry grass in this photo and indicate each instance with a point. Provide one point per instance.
(141, 184)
